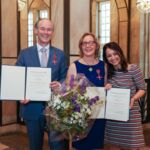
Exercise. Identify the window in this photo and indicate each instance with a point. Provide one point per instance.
(103, 22)
(30, 28)
(42, 14)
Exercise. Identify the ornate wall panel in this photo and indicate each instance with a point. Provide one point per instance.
(9, 53)
(114, 22)
(134, 34)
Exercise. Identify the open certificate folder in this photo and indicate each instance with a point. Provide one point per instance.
(114, 105)
(18, 83)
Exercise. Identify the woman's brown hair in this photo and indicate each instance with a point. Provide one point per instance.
(115, 47)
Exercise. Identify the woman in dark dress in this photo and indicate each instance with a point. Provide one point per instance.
(90, 65)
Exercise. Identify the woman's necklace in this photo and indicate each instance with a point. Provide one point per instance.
(90, 66)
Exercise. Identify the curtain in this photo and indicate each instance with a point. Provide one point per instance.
(145, 62)
(145, 44)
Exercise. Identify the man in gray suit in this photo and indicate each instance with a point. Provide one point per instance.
(32, 112)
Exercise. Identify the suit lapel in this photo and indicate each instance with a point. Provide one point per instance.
(35, 56)
(36, 60)
(51, 55)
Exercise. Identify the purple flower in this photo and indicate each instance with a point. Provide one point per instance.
(71, 83)
(90, 102)
(77, 108)
(74, 98)
(83, 87)
(93, 100)
(96, 98)
(63, 88)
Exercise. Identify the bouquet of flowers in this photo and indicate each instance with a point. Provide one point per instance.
(69, 109)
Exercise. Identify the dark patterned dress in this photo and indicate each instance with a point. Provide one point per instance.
(95, 138)
(127, 134)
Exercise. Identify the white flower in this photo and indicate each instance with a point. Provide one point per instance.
(57, 107)
(65, 104)
(56, 101)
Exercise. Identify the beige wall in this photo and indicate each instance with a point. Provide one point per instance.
(9, 28)
(57, 17)
(79, 22)
(9, 49)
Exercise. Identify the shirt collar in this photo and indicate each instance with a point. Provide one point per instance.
(39, 47)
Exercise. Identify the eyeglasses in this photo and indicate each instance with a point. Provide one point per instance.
(90, 43)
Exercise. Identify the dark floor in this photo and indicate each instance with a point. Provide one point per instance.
(18, 141)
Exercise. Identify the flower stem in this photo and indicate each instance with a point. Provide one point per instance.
(70, 141)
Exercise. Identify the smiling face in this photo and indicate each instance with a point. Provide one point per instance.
(88, 46)
(113, 58)
(44, 31)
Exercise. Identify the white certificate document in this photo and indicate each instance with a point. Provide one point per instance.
(117, 104)
(37, 84)
(12, 82)
(18, 83)
(114, 106)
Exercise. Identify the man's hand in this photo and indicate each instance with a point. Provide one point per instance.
(55, 85)
(25, 101)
